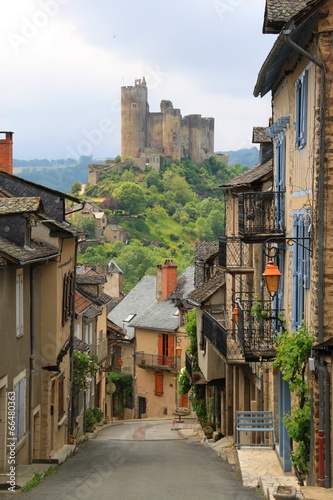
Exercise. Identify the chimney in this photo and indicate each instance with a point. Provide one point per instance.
(6, 152)
(166, 279)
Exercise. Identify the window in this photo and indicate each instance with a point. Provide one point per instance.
(19, 303)
(19, 389)
(158, 384)
(301, 265)
(301, 109)
(61, 409)
(68, 297)
(166, 349)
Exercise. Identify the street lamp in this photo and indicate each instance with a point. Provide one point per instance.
(178, 349)
(272, 277)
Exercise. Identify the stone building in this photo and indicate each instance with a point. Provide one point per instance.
(145, 134)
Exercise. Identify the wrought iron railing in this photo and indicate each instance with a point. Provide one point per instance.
(234, 254)
(260, 215)
(223, 339)
(100, 350)
(257, 328)
(161, 362)
(188, 364)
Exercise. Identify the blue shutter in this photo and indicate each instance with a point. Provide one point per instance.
(294, 281)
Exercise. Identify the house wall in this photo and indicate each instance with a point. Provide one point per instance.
(157, 406)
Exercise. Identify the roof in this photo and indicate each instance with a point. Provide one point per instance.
(19, 205)
(113, 267)
(98, 215)
(136, 302)
(91, 279)
(161, 316)
(203, 292)
(81, 303)
(257, 174)
(278, 13)
(25, 255)
(260, 136)
(80, 346)
(301, 28)
(206, 250)
(185, 284)
(92, 312)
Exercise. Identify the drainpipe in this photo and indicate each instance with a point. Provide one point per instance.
(324, 424)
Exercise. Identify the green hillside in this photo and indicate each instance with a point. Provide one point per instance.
(163, 212)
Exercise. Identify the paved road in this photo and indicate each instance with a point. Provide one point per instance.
(140, 461)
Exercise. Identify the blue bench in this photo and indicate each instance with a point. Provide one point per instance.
(255, 421)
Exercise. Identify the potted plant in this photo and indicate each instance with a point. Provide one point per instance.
(208, 431)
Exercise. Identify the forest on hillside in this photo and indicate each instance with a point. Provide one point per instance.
(163, 212)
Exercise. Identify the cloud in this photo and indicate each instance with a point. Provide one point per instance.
(64, 62)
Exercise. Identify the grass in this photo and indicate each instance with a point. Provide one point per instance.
(39, 478)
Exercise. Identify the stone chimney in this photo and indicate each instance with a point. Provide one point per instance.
(6, 152)
(166, 280)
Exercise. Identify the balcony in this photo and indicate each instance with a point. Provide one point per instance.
(156, 361)
(100, 350)
(260, 216)
(256, 333)
(235, 255)
(223, 340)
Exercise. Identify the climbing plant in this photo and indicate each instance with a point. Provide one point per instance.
(292, 353)
(84, 367)
(124, 387)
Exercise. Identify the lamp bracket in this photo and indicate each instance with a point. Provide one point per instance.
(272, 251)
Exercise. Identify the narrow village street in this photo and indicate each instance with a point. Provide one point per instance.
(140, 460)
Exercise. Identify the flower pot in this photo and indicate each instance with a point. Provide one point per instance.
(282, 492)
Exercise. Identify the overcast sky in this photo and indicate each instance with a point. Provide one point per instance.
(63, 63)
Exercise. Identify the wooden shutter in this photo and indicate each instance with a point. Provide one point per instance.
(158, 384)
(171, 350)
(304, 108)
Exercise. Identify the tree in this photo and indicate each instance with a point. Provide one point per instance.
(132, 197)
(89, 226)
(76, 188)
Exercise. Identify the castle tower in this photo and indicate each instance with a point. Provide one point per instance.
(134, 119)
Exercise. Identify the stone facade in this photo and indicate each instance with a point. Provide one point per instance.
(145, 134)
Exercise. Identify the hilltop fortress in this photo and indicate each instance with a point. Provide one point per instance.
(152, 138)
(145, 134)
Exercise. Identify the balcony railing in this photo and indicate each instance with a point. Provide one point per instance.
(224, 341)
(235, 255)
(260, 215)
(156, 361)
(100, 350)
(257, 332)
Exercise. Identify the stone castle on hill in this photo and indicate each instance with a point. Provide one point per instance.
(152, 138)
(145, 134)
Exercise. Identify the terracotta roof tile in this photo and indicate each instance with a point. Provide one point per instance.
(81, 303)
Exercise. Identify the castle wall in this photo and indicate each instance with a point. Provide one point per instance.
(144, 134)
(155, 135)
(172, 132)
